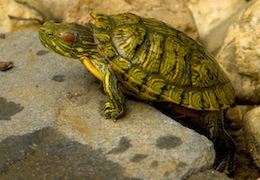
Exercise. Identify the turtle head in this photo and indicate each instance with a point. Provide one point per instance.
(68, 39)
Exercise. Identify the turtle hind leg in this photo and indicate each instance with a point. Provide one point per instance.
(225, 146)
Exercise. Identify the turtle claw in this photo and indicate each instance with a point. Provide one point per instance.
(108, 105)
(113, 112)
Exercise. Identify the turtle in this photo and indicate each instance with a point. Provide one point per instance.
(151, 61)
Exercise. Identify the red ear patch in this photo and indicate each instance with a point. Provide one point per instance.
(69, 37)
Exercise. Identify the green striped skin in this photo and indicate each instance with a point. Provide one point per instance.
(151, 61)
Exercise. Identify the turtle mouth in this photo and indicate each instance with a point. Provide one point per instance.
(44, 40)
(41, 35)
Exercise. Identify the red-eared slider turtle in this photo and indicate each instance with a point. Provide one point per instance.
(152, 61)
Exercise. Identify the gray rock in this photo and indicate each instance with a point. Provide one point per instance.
(52, 112)
(47, 154)
(252, 132)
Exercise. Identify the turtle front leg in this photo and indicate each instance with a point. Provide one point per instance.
(115, 107)
(224, 145)
(99, 67)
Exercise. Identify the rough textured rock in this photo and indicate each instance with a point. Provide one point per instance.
(45, 90)
(252, 133)
(173, 12)
(240, 53)
(31, 9)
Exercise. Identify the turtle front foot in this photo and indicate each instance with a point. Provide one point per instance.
(113, 111)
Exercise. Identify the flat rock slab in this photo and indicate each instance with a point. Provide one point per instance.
(52, 125)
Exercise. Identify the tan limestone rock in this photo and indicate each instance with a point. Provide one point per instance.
(240, 55)
(209, 14)
(29, 9)
(173, 12)
(252, 133)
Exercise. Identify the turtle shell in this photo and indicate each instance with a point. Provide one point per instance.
(156, 62)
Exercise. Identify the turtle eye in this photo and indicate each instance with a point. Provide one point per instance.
(69, 37)
(49, 34)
